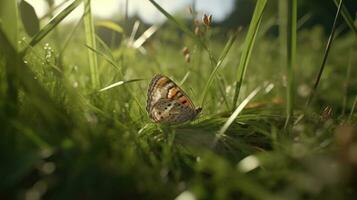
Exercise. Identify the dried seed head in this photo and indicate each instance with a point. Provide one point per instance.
(207, 20)
(190, 10)
(185, 51)
(187, 58)
(327, 113)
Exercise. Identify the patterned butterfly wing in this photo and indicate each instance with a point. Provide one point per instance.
(172, 111)
(162, 92)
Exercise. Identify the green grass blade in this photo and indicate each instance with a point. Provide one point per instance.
(327, 50)
(9, 19)
(111, 26)
(347, 80)
(291, 56)
(118, 84)
(183, 27)
(236, 112)
(53, 23)
(248, 46)
(90, 41)
(224, 53)
(106, 57)
(347, 16)
(353, 109)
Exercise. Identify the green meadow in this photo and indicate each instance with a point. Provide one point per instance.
(278, 102)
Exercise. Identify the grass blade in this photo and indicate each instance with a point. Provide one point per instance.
(327, 50)
(110, 25)
(248, 46)
(53, 23)
(291, 56)
(346, 16)
(353, 109)
(179, 25)
(224, 53)
(9, 19)
(236, 112)
(90, 41)
(145, 36)
(106, 57)
(118, 84)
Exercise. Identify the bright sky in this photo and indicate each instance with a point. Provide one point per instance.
(108, 8)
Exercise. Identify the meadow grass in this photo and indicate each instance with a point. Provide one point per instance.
(74, 123)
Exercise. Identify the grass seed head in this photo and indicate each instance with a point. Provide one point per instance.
(207, 20)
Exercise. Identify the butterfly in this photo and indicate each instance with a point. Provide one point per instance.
(168, 103)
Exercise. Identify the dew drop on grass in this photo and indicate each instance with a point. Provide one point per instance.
(46, 46)
(48, 167)
(248, 163)
(75, 84)
(32, 195)
(186, 195)
(45, 153)
(40, 186)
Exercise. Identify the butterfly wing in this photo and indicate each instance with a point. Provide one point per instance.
(172, 111)
(163, 90)
(161, 87)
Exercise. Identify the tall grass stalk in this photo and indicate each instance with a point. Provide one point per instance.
(223, 55)
(9, 20)
(291, 56)
(90, 42)
(327, 50)
(248, 46)
(348, 77)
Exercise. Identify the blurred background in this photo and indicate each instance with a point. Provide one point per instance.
(228, 13)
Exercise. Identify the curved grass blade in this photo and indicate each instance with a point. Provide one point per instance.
(53, 23)
(118, 84)
(248, 46)
(110, 25)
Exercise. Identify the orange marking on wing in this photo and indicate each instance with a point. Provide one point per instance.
(162, 82)
(184, 100)
(172, 92)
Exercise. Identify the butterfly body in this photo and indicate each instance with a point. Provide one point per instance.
(167, 103)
